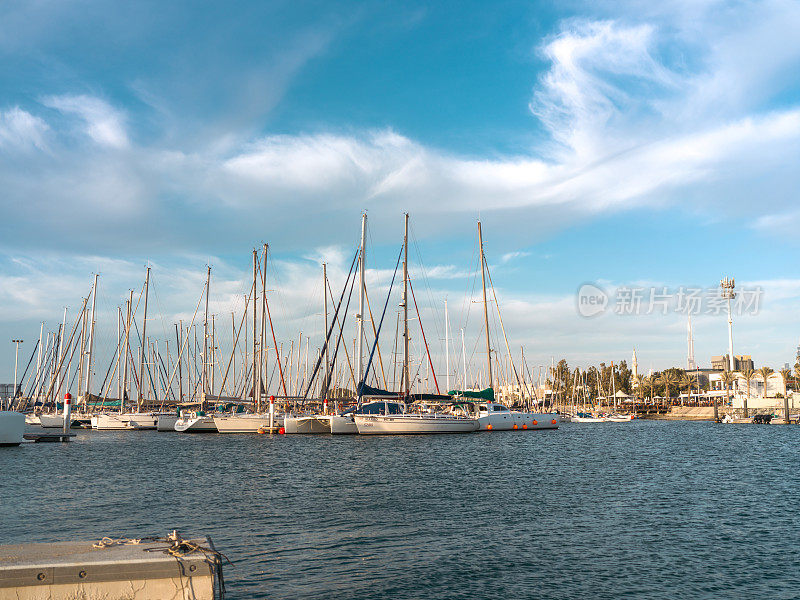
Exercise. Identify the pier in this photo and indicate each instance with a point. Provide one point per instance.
(130, 569)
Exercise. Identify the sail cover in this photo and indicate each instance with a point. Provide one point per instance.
(365, 390)
(487, 394)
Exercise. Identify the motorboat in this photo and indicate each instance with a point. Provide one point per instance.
(195, 422)
(12, 428)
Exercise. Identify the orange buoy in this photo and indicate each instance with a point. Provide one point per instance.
(535, 422)
(515, 426)
(554, 422)
(261, 430)
(282, 430)
(489, 427)
(524, 425)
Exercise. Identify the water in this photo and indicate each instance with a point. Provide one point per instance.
(648, 509)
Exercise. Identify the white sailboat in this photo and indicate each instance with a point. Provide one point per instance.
(413, 424)
(493, 416)
(195, 422)
(247, 423)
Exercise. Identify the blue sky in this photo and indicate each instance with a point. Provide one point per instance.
(614, 142)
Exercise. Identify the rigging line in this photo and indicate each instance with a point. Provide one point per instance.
(341, 335)
(378, 332)
(330, 331)
(422, 329)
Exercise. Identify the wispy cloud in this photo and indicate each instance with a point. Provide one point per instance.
(104, 124)
(21, 131)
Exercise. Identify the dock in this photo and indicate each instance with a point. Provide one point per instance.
(48, 437)
(165, 568)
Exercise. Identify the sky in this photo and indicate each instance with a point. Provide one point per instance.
(626, 145)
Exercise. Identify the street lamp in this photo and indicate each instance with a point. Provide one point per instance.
(726, 289)
(16, 360)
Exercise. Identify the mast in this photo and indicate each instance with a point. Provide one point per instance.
(447, 345)
(82, 352)
(360, 317)
(60, 353)
(262, 354)
(91, 336)
(35, 391)
(485, 306)
(325, 311)
(464, 361)
(203, 374)
(213, 351)
(255, 326)
(125, 357)
(178, 335)
(144, 340)
(119, 352)
(406, 381)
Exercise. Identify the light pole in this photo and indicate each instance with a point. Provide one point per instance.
(16, 359)
(726, 289)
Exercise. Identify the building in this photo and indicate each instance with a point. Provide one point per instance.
(741, 362)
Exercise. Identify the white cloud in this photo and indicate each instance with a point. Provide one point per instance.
(20, 130)
(103, 123)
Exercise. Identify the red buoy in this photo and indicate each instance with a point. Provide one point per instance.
(489, 427)
(524, 425)
(554, 422)
(282, 430)
(515, 426)
(535, 422)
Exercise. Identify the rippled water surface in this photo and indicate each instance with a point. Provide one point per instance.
(648, 509)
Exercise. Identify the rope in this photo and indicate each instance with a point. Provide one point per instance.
(176, 547)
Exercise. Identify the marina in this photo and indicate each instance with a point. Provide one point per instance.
(399, 300)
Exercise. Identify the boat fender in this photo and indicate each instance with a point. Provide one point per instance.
(554, 422)
(535, 422)
(489, 427)
(282, 430)
(524, 425)
(515, 426)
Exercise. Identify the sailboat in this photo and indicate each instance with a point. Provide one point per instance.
(395, 418)
(490, 414)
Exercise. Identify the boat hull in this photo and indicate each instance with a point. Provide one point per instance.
(307, 424)
(506, 421)
(196, 425)
(123, 421)
(245, 423)
(166, 422)
(343, 425)
(413, 424)
(12, 427)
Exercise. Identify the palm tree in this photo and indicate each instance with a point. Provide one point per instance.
(786, 374)
(667, 379)
(748, 375)
(765, 372)
(686, 384)
(727, 378)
